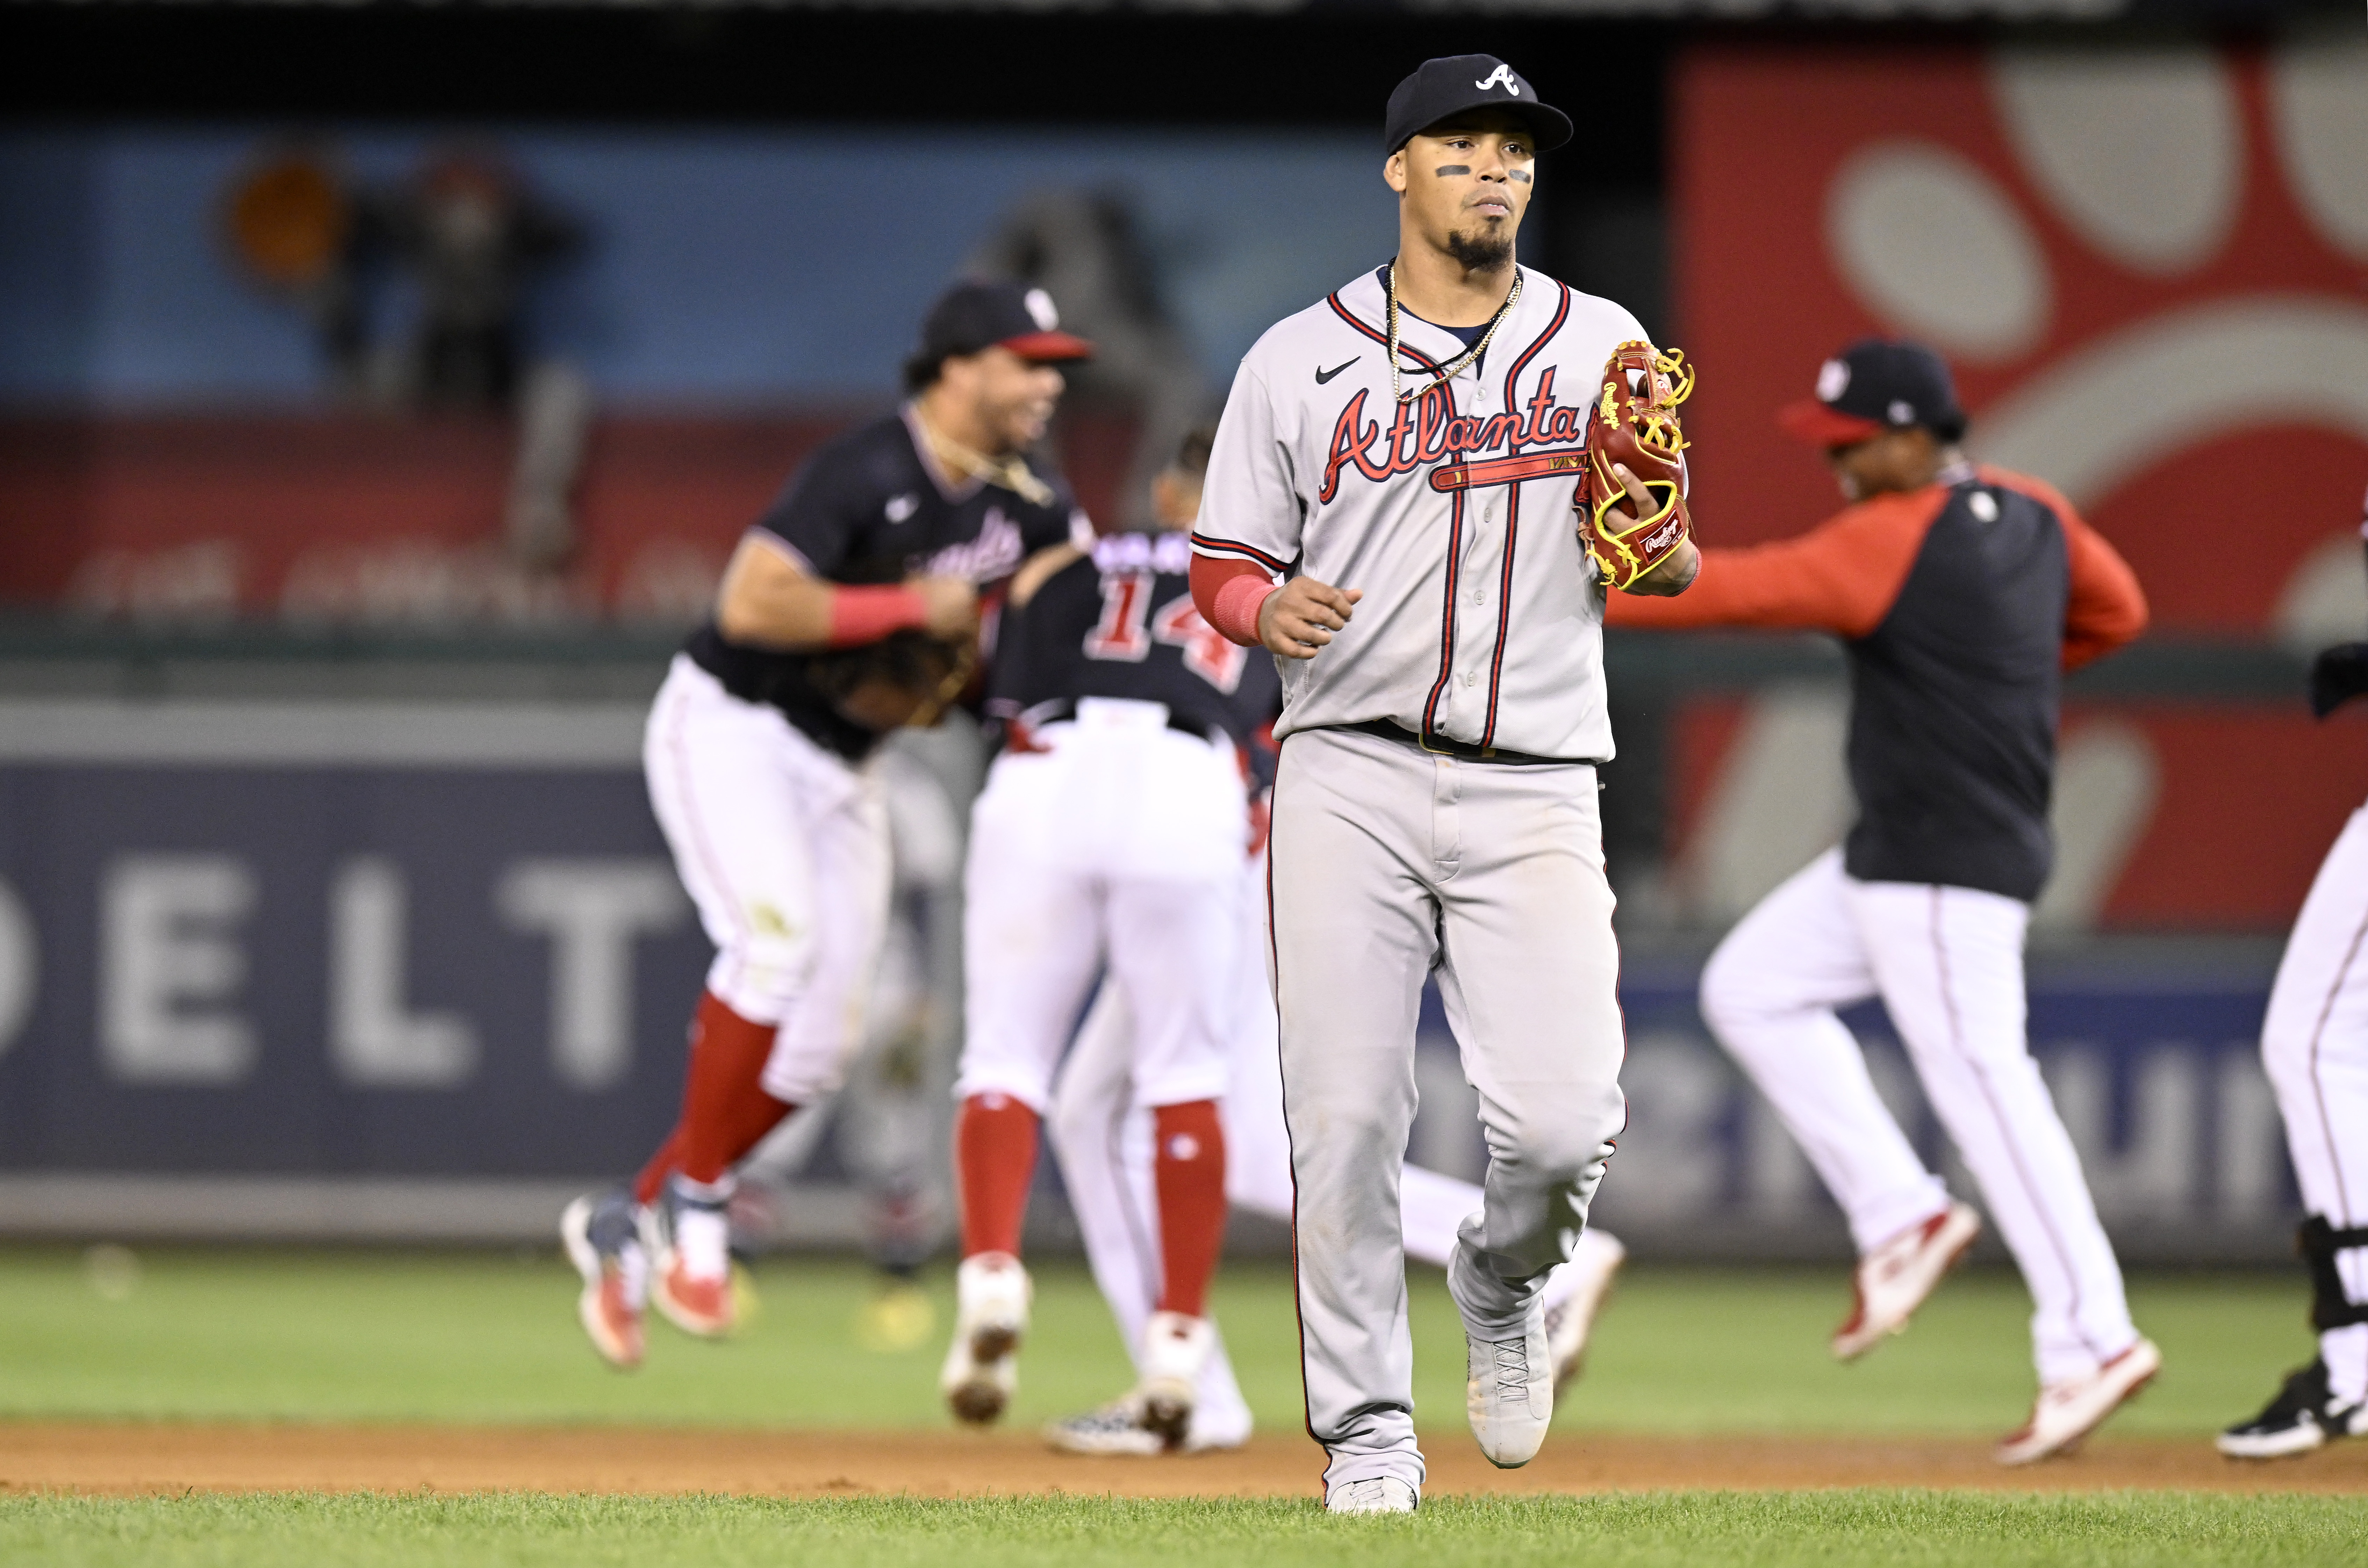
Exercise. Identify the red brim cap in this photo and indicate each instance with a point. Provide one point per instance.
(1046, 347)
(1822, 425)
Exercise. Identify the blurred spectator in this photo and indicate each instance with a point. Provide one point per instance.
(1086, 249)
(474, 240)
(299, 226)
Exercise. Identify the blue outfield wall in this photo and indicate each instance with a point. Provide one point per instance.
(721, 265)
(268, 941)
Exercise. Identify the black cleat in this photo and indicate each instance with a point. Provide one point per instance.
(2302, 1417)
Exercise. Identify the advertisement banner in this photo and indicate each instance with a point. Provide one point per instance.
(406, 969)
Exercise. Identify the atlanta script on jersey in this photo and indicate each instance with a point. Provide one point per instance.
(1121, 623)
(1481, 619)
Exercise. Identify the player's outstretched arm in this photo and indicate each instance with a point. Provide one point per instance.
(768, 600)
(1298, 619)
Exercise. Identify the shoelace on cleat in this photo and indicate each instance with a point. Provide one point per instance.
(1512, 1367)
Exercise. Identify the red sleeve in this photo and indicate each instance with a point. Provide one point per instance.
(1841, 576)
(2106, 609)
(1228, 593)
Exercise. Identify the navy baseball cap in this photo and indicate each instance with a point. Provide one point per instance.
(1873, 386)
(979, 313)
(1458, 81)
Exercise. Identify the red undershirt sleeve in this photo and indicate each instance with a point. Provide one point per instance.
(1228, 593)
(1841, 576)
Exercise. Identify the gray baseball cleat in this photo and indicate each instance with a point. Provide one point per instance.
(1375, 1495)
(1509, 1384)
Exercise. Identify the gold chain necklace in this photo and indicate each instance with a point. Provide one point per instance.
(1011, 472)
(1454, 367)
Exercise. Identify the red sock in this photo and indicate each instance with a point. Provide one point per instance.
(724, 1110)
(1190, 1173)
(994, 1148)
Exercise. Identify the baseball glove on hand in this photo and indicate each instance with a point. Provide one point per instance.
(907, 678)
(1635, 426)
(2337, 675)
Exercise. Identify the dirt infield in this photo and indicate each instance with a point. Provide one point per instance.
(131, 1458)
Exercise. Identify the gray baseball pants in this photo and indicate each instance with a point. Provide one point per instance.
(1387, 864)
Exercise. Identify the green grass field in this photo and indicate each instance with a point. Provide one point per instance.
(483, 1337)
(479, 1338)
(1833, 1529)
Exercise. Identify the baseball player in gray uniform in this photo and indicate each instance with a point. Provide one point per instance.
(1388, 510)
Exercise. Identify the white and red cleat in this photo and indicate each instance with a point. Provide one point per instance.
(706, 1308)
(1575, 1293)
(602, 1241)
(1175, 1349)
(2064, 1412)
(694, 1286)
(981, 1372)
(1894, 1279)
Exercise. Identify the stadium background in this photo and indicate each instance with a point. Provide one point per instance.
(330, 906)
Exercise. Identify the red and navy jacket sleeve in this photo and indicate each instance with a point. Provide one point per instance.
(1841, 576)
(2106, 609)
(1844, 575)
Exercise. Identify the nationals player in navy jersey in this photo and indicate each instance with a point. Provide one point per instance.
(1407, 452)
(1961, 595)
(1110, 836)
(848, 610)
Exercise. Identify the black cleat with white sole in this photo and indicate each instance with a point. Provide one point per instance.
(2303, 1416)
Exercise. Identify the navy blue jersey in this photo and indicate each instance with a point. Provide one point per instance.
(868, 508)
(1121, 623)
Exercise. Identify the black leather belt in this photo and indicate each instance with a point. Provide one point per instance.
(1462, 751)
(1063, 709)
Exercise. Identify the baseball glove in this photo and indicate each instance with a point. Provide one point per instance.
(907, 678)
(1635, 426)
(2337, 675)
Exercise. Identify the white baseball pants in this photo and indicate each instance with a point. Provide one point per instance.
(1388, 864)
(785, 848)
(1102, 1137)
(2315, 1045)
(1948, 965)
(1120, 843)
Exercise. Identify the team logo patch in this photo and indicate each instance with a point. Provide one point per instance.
(1833, 380)
(900, 508)
(1040, 308)
(1500, 77)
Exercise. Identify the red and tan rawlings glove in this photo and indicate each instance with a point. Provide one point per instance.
(1635, 426)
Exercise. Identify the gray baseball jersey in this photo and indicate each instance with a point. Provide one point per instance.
(1481, 619)
(1480, 622)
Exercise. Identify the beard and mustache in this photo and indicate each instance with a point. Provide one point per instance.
(1479, 253)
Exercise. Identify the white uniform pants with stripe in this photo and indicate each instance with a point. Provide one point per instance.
(1102, 1136)
(1948, 964)
(1387, 864)
(785, 848)
(1120, 844)
(2315, 1045)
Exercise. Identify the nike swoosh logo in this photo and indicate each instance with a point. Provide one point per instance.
(1322, 377)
